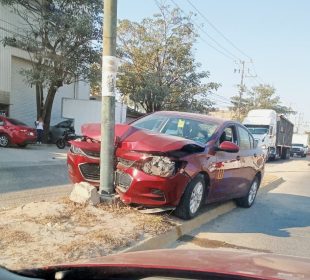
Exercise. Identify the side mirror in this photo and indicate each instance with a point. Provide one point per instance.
(228, 147)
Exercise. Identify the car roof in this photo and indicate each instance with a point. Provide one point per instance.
(196, 116)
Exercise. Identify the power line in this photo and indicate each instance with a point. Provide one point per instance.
(216, 29)
(228, 54)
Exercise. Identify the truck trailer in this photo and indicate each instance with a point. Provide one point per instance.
(273, 132)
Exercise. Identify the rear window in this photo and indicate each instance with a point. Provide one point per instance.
(16, 122)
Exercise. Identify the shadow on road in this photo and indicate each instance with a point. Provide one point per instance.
(272, 214)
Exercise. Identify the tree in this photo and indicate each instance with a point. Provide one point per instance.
(158, 70)
(62, 38)
(262, 96)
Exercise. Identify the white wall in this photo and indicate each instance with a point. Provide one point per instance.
(67, 91)
(23, 97)
(89, 111)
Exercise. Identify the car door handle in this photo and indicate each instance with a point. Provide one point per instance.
(237, 157)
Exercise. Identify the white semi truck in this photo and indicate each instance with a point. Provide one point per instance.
(300, 145)
(273, 132)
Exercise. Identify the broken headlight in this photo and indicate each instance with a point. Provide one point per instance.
(159, 166)
(76, 150)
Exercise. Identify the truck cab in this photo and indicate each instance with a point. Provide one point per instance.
(273, 132)
(263, 126)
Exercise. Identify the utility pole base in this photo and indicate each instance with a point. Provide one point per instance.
(108, 198)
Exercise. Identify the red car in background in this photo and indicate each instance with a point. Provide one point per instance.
(174, 160)
(13, 131)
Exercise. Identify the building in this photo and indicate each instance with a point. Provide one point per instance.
(17, 98)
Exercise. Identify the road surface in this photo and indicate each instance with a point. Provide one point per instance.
(278, 222)
(36, 172)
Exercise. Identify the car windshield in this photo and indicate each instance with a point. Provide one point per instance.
(16, 122)
(298, 145)
(196, 130)
(258, 130)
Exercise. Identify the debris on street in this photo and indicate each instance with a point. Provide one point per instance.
(85, 193)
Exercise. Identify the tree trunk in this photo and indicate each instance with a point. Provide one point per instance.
(39, 99)
(47, 112)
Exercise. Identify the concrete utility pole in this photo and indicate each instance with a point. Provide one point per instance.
(109, 70)
(241, 90)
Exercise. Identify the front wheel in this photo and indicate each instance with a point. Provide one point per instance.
(192, 199)
(248, 200)
(4, 141)
(61, 143)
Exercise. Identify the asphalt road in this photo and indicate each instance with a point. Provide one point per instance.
(278, 222)
(37, 166)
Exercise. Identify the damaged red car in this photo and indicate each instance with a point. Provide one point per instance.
(174, 160)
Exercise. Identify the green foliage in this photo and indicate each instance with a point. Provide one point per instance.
(62, 38)
(158, 69)
(259, 97)
(59, 36)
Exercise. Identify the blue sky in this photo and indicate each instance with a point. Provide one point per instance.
(275, 34)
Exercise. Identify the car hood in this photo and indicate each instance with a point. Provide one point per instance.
(131, 138)
(256, 265)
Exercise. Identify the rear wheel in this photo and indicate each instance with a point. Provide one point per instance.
(61, 143)
(248, 200)
(4, 140)
(192, 198)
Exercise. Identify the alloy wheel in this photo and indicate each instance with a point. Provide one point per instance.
(252, 192)
(196, 197)
(4, 141)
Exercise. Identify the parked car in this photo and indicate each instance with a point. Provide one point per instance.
(175, 160)
(299, 150)
(57, 131)
(13, 131)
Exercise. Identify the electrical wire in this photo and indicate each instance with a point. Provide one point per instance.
(228, 54)
(208, 35)
(217, 30)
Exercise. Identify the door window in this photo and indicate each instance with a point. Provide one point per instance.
(229, 134)
(244, 138)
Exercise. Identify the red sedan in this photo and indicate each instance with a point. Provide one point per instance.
(174, 160)
(176, 264)
(13, 131)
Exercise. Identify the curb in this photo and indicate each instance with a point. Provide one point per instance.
(163, 240)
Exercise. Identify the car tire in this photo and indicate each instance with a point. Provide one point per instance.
(192, 198)
(61, 143)
(4, 140)
(248, 200)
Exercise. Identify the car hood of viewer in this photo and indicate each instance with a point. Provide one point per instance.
(131, 138)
